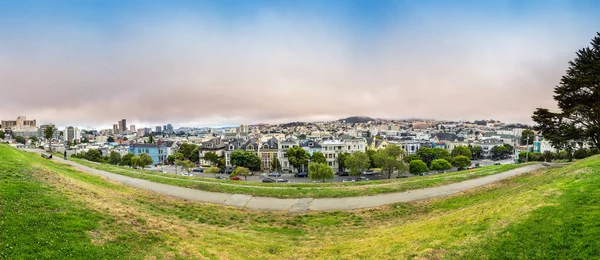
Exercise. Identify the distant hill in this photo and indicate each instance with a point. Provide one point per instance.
(357, 119)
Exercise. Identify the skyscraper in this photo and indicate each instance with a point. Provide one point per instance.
(123, 126)
(158, 129)
(115, 129)
(132, 128)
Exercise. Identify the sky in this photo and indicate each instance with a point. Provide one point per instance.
(215, 63)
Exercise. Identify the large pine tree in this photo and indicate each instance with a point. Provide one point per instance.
(578, 97)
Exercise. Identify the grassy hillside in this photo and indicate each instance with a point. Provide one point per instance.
(303, 190)
(49, 210)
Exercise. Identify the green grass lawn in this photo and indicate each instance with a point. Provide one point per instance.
(52, 211)
(303, 190)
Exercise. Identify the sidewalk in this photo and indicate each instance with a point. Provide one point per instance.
(303, 204)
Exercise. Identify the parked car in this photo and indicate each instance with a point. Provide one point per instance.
(221, 177)
(228, 171)
(198, 170)
(402, 176)
(274, 174)
(301, 174)
(370, 172)
(268, 180)
(283, 180)
(344, 174)
(348, 180)
(235, 178)
(362, 178)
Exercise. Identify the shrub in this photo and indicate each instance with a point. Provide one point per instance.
(417, 167)
(581, 153)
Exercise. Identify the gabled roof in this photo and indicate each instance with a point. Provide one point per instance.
(252, 142)
(234, 144)
(311, 144)
(272, 143)
(448, 137)
(369, 140)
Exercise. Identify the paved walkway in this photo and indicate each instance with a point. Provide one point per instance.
(303, 204)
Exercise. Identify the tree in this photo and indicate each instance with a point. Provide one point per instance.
(211, 157)
(581, 153)
(297, 157)
(33, 140)
(497, 151)
(441, 153)
(275, 165)
(93, 155)
(213, 170)
(577, 97)
(245, 159)
(241, 171)
(318, 157)
(371, 154)
(114, 158)
(135, 161)
(476, 150)
(441, 164)
(145, 160)
(388, 162)
(548, 156)
(195, 156)
(509, 149)
(48, 133)
(151, 139)
(527, 137)
(357, 162)
(417, 167)
(20, 139)
(302, 137)
(461, 150)
(2, 135)
(171, 159)
(341, 160)
(426, 155)
(187, 150)
(411, 157)
(126, 160)
(110, 139)
(187, 165)
(125, 138)
(320, 171)
(461, 162)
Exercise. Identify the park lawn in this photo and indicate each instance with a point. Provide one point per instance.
(304, 190)
(51, 210)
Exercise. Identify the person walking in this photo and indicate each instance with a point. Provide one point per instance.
(65, 155)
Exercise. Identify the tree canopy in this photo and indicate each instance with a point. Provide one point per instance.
(461, 150)
(341, 160)
(211, 157)
(417, 167)
(578, 98)
(527, 137)
(114, 158)
(357, 162)
(275, 165)
(242, 158)
(476, 150)
(241, 171)
(388, 160)
(144, 160)
(20, 139)
(48, 133)
(126, 159)
(2, 135)
(318, 157)
(461, 161)
(320, 171)
(440, 165)
(297, 157)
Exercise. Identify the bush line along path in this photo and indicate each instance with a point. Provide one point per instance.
(301, 205)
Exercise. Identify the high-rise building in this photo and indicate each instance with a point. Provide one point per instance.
(158, 129)
(123, 126)
(132, 128)
(21, 124)
(115, 129)
(169, 128)
(242, 129)
(71, 133)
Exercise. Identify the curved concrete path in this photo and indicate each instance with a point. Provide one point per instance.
(303, 204)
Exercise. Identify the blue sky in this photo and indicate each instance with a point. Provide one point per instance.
(234, 61)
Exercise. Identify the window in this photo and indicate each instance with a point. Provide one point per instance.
(330, 163)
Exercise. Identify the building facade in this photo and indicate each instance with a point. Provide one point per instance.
(158, 152)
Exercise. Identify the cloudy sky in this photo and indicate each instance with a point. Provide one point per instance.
(210, 63)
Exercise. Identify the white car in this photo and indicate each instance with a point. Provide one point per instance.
(348, 180)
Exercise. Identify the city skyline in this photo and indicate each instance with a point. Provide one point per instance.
(231, 62)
